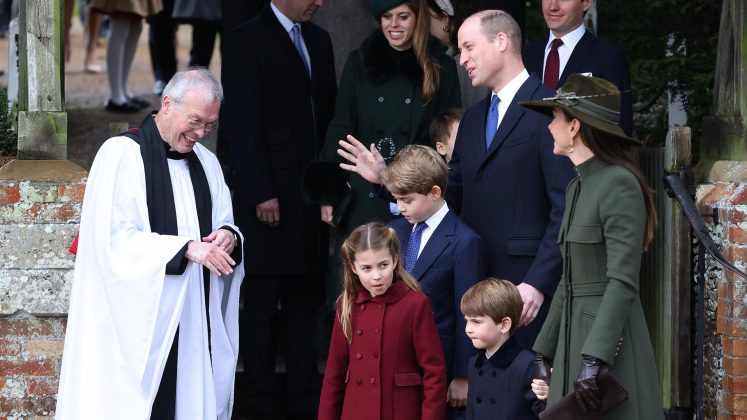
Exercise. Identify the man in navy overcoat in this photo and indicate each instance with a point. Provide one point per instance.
(512, 191)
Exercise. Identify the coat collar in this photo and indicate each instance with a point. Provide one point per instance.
(503, 357)
(587, 168)
(514, 113)
(396, 292)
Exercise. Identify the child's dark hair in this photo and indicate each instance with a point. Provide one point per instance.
(440, 127)
(373, 236)
(494, 298)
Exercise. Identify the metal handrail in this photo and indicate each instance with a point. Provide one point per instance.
(677, 188)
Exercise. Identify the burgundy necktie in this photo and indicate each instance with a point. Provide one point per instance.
(552, 67)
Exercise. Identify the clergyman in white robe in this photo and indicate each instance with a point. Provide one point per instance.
(124, 311)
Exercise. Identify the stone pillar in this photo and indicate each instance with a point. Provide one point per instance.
(726, 344)
(348, 23)
(723, 164)
(42, 122)
(40, 204)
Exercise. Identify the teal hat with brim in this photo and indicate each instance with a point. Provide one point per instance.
(591, 100)
(378, 7)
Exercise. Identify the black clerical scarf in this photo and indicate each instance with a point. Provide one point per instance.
(159, 194)
(162, 216)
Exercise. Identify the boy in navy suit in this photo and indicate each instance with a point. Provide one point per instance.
(500, 376)
(439, 250)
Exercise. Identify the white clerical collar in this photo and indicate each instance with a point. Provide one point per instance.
(287, 23)
(506, 95)
(569, 40)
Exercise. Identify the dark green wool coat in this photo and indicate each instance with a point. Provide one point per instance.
(597, 303)
(379, 101)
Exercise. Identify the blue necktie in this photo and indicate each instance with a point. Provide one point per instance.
(413, 246)
(491, 125)
(297, 42)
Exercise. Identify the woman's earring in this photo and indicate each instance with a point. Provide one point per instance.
(445, 28)
(570, 147)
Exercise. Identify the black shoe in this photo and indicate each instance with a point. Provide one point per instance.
(125, 108)
(139, 102)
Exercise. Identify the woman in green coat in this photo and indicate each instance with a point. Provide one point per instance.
(391, 88)
(596, 318)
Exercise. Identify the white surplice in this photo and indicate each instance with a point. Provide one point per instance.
(124, 311)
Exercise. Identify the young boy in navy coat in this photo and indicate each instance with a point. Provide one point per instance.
(500, 375)
(440, 251)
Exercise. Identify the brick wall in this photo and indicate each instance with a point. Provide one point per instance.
(39, 218)
(726, 346)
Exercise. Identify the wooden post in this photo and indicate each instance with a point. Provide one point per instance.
(42, 121)
(677, 236)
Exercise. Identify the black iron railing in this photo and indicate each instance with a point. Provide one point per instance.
(678, 187)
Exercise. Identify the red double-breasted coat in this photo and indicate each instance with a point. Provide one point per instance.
(394, 367)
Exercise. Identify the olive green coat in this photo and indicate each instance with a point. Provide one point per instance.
(379, 101)
(596, 304)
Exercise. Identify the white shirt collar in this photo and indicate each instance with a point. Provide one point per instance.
(287, 23)
(508, 92)
(569, 40)
(506, 95)
(437, 217)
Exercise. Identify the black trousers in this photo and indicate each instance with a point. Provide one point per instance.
(203, 42)
(280, 315)
(161, 40)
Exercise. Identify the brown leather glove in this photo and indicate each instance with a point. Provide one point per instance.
(541, 368)
(587, 392)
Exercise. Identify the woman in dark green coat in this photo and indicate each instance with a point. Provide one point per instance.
(391, 88)
(596, 318)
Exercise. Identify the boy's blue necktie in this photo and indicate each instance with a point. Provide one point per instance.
(491, 125)
(413, 246)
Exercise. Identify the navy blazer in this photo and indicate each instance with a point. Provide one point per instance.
(451, 262)
(591, 55)
(500, 388)
(513, 194)
(275, 119)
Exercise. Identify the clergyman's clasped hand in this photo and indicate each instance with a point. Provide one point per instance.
(214, 252)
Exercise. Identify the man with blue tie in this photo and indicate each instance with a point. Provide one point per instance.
(571, 48)
(280, 91)
(504, 180)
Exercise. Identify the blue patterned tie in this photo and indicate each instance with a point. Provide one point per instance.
(413, 246)
(297, 42)
(491, 125)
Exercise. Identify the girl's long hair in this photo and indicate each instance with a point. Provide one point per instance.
(618, 152)
(373, 236)
(420, 40)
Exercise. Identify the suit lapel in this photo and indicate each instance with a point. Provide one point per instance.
(284, 41)
(513, 115)
(437, 243)
(578, 56)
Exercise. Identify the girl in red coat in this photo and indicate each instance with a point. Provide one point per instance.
(385, 359)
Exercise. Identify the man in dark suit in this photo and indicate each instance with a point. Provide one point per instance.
(504, 180)
(508, 186)
(579, 52)
(280, 90)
